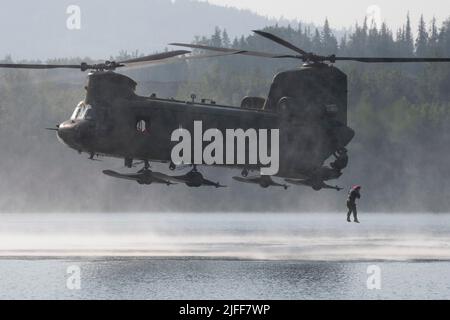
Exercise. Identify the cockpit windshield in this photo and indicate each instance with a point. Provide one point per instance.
(83, 111)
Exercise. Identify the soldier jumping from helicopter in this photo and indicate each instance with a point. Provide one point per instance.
(351, 203)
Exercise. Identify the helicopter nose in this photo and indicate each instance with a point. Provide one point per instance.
(67, 133)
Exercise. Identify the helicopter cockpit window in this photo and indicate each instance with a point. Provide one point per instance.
(143, 125)
(83, 111)
(76, 113)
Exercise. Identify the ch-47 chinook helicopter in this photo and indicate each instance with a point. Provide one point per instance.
(308, 105)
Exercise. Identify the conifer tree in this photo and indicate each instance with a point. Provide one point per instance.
(329, 42)
(409, 39)
(422, 39)
(216, 39)
(225, 39)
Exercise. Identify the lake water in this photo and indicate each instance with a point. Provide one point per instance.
(224, 256)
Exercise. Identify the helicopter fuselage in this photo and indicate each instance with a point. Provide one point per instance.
(114, 121)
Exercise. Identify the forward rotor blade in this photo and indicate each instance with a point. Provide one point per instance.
(155, 57)
(391, 60)
(281, 42)
(39, 66)
(227, 50)
(150, 59)
(172, 60)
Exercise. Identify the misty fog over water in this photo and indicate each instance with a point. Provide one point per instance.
(224, 256)
(304, 237)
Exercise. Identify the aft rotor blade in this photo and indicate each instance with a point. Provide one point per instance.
(155, 57)
(391, 60)
(39, 66)
(206, 55)
(281, 42)
(227, 50)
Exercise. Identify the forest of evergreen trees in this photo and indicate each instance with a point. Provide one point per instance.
(366, 40)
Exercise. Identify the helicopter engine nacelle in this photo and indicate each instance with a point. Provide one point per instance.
(195, 179)
(265, 182)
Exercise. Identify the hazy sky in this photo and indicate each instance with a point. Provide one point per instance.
(38, 29)
(345, 13)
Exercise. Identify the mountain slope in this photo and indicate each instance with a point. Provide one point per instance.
(37, 30)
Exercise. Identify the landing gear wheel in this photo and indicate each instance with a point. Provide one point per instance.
(172, 166)
(244, 173)
(265, 182)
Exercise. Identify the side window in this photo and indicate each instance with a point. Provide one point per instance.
(143, 125)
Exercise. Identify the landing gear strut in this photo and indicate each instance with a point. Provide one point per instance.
(146, 167)
(341, 161)
(129, 163)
